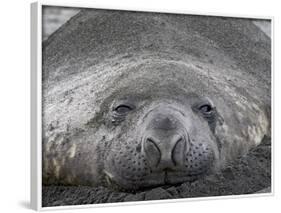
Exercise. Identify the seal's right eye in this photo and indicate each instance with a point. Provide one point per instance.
(123, 109)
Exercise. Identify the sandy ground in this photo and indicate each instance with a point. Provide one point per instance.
(249, 174)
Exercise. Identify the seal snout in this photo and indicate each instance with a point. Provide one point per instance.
(164, 146)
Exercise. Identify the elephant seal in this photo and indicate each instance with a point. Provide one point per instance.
(135, 100)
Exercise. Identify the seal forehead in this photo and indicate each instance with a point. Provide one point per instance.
(154, 75)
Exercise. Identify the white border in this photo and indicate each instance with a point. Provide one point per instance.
(36, 104)
(145, 9)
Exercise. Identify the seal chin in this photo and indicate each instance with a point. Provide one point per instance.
(174, 179)
(127, 184)
(163, 178)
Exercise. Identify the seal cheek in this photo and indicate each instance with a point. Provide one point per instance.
(257, 132)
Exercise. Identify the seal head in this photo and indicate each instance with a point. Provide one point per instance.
(163, 145)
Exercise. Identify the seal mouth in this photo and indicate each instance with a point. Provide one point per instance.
(178, 178)
(164, 178)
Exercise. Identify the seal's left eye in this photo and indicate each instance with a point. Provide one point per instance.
(122, 109)
(206, 109)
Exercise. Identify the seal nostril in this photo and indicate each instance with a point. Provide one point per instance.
(178, 151)
(152, 152)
